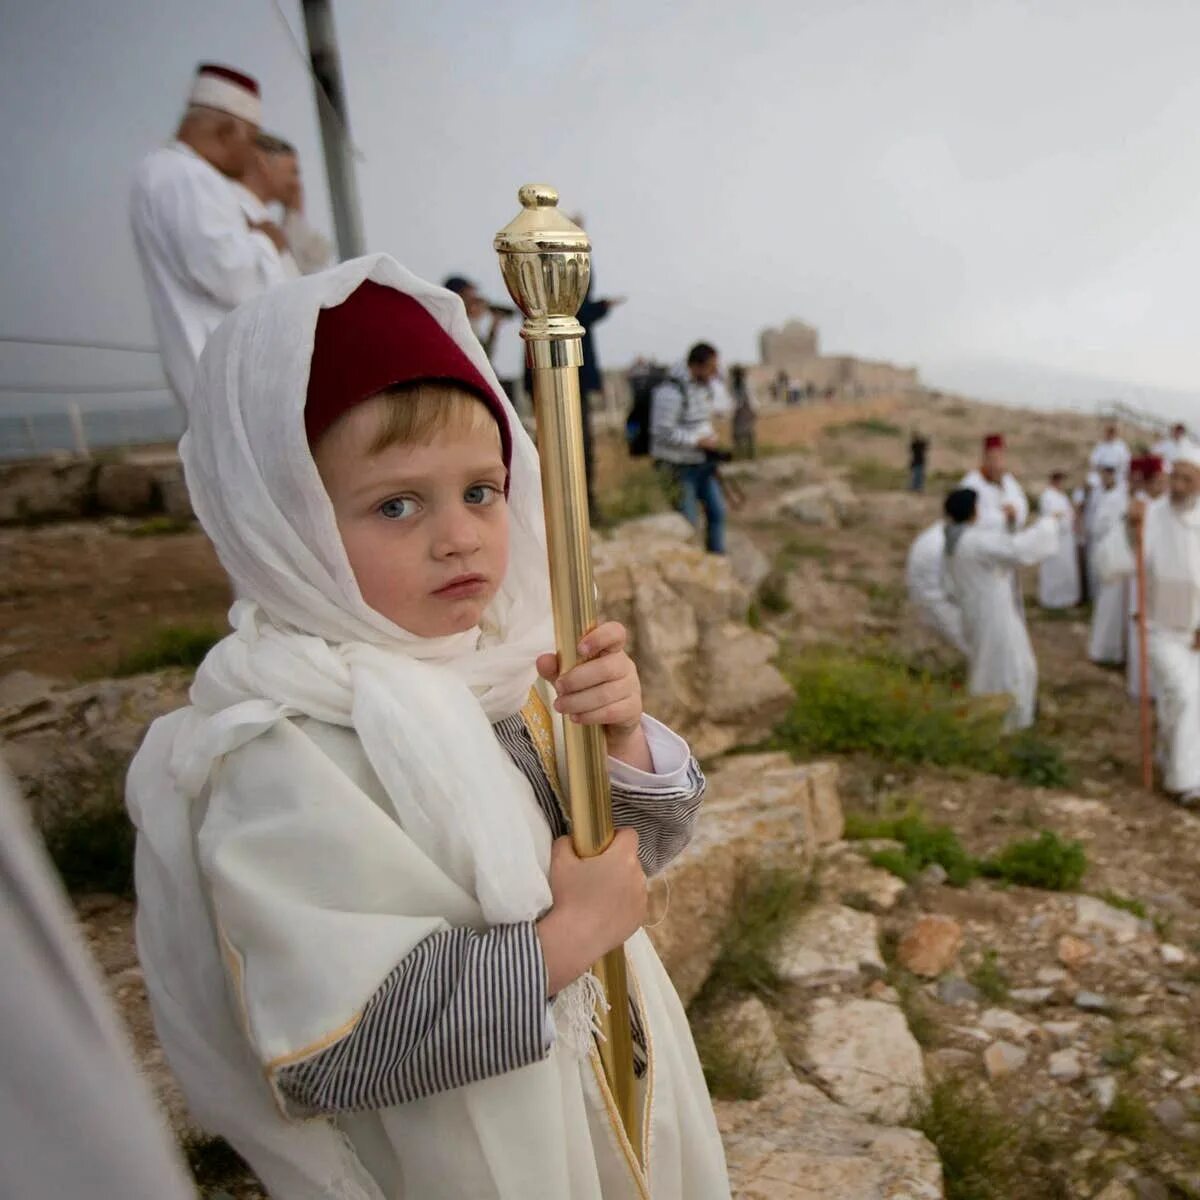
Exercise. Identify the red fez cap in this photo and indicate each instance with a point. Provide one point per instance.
(376, 338)
(242, 80)
(994, 441)
(1152, 465)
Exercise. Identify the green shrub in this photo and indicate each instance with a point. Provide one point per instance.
(93, 851)
(989, 977)
(772, 596)
(1046, 861)
(730, 1072)
(923, 844)
(868, 475)
(1127, 1116)
(874, 425)
(169, 646)
(1125, 903)
(1032, 760)
(161, 526)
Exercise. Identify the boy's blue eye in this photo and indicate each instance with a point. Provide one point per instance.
(398, 508)
(481, 493)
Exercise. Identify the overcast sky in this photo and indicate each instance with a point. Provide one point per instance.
(924, 181)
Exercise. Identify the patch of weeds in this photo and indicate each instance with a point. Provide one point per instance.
(990, 979)
(920, 1023)
(985, 1154)
(1123, 1051)
(772, 596)
(868, 475)
(1033, 761)
(1064, 615)
(638, 492)
(160, 526)
(214, 1163)
(1047, 861)
(764, 905)
(169, 646)
(1125, 904)
(796, 548)
(1127, 1116)
(874, 425)
(93, 851)
(729, 1070)
(1175, 1042)
(754, 616)
(923, 844)
(885, 599)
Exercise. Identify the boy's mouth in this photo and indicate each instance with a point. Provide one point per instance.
(462, 586)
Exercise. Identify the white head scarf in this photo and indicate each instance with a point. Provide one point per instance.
(306, 643)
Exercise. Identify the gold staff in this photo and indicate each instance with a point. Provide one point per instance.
(546, 262)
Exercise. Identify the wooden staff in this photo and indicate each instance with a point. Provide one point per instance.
(546, 263)
(1139, 554)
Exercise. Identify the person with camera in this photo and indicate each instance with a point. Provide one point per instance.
(480, 312)
(684, 441)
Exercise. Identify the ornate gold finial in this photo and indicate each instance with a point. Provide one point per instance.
(546, 263)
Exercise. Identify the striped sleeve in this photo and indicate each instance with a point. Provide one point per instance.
(461, 1007)
(663, 817)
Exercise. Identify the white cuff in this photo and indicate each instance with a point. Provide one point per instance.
(669, 754)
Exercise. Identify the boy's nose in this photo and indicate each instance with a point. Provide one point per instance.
(457, 533)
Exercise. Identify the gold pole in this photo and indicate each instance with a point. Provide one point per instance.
(546, 263)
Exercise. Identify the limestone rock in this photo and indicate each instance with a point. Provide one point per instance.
(704, 671)
(1074, 952)
(749, 564)
(1172, 956)
(777, 469)
(999, 1020)
(954, 990)
(761, 810)
(1104, 1090)
(831, 504)
(47, 490)
(847, 877)
(1065, 1066)
(931, 946)
(830, 942)
(1003, 1058)
(863, 1052)
(1122, 926)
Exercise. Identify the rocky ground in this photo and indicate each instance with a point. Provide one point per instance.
(1043, 1040)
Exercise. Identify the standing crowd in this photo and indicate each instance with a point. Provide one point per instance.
(964, 583)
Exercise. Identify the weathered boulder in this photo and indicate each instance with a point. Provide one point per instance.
(848, 877)
(47, 490)
(831, 504)
(749, 564)
(864, 1054)
(931, 945)
(704, 671)
(69, 747)
(777, 469)
(830, 943)
(762, 810)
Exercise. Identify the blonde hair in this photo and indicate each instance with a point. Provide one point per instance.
(416, 413)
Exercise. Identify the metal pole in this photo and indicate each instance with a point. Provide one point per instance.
(546, 263)
(335, 126)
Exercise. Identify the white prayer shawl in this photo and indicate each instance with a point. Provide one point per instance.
(1112, 454)
(324, 868)
(993, 497)
(1058, 576)
(1110, 595)
(979, 577)
(199, 258)
(1172, 548)
(926, 590)
(256, 212)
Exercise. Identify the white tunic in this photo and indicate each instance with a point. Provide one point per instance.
(994, 496)
(1058, 576)
(926, 590)
(199, 258)
(979, 576)
(1110, 597)
(1113, 454)
(256, 212)
(1172, 541)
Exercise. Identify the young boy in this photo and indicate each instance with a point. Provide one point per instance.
(365, 936)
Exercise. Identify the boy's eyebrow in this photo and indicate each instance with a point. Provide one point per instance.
(400, 480)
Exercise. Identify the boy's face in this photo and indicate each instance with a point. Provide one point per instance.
(425, 526)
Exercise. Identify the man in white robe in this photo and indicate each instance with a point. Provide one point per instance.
(1171, 445)
(200, 257)
(1147, 482)
(1110, 603)
(263, 183)
(1172, 549)
(1058, 576)
(1112, 450)
(1002, 501)
(979, 570)
(926, 591)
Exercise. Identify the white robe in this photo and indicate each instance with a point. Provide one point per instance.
(199, 258)
(979, 576)
(1114, 454)
(256, 212)
(926, 591)
(1172, 542)
(993, 497)
(1110, 598)
(1133, 650)
(1058, 576)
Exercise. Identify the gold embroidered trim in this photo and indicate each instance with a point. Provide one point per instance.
(540, 724)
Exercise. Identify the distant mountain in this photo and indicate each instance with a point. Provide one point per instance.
(1029, 385)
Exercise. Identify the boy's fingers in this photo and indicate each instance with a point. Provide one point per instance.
(609, 636)
(591, 673)
(547, 666)
(596, 697)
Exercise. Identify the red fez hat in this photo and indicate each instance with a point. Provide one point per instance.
(377, 338)
(1152, 465)
(994, 441)
(227, 90)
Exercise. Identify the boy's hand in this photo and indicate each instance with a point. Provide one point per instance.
(598, 904)
(604, 689)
